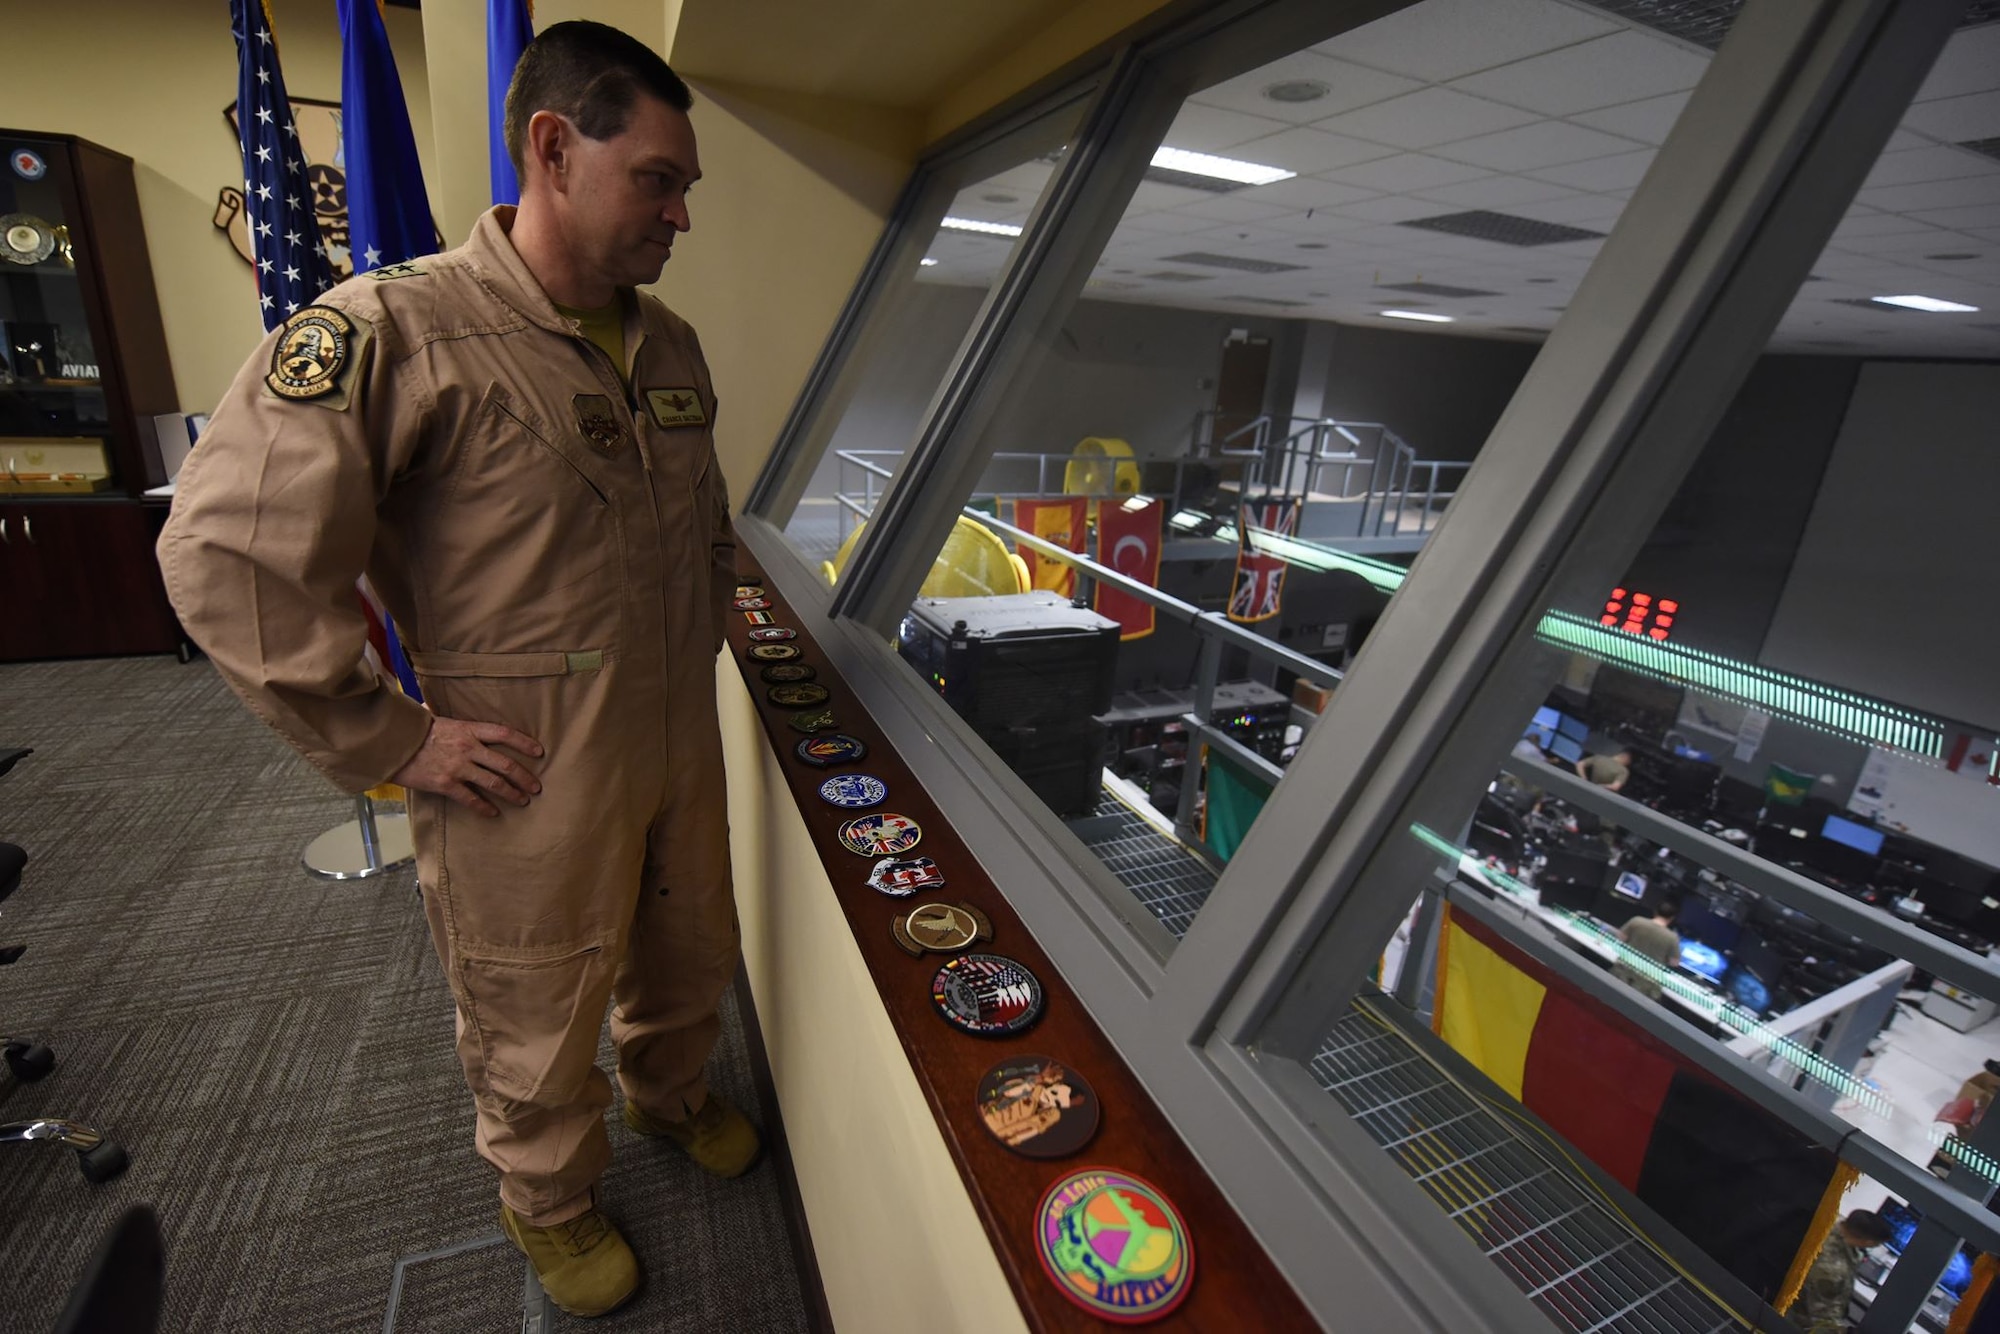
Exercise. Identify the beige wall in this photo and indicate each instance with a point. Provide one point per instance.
(898, 1244)
(150, 79)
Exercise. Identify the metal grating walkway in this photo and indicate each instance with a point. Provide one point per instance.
(1169, 880)
(1551, 1233)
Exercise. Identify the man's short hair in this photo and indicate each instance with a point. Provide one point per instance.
(1669, 908)
(1871, 1227)
(589, 74)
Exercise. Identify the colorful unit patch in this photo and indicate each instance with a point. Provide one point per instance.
(779, 673)
(757, 603)
(773, 652)
(758, 617)
(749, 590)
(677, 407)
(1037, 1107)
(900, 877)
(987, 995)
(1115, 1246)
(854, 792)
(880, 835)
(824, 752)
(28, 164)
(800, 696)
(311, 354)
(940, 928)
(773, 634)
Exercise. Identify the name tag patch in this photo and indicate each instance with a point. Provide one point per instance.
(676, 407)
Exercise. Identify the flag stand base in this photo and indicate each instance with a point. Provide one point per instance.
(368, 845)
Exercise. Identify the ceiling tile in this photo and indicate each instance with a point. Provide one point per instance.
(1970, 64)
(1421, 119)
(1973, 116)
(1975, 215)
(1390, 208)
(1604, 72)
(1497, 192)
(1592, 211)
(1606, 173)
(1305, 192)
(1878, 224)
(1307, 151)
(1349, 86)
(1170, 223)
(1983, 189)
(1443, 39)
(1648, 120)
(1405, 172)
(1228, 208)
(1940, 163)
(1202, 129)
(1547, 143)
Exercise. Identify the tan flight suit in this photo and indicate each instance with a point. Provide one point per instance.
(558, 558)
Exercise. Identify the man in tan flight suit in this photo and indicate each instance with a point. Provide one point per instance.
(532, 488)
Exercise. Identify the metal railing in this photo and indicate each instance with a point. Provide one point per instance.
(1396, 485)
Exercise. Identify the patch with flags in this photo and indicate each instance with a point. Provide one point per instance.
(1256, 594)
(676, 407)
(278, 197)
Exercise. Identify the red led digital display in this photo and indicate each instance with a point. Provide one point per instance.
(1640, 613)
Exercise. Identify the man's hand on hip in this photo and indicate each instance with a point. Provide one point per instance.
(463, 761)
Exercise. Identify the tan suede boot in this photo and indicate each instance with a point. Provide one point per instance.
(584, 1265)
(718, 1137)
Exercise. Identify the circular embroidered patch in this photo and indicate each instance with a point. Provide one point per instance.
(771, 634)
(824, 752)
(784, 673)
(1037, 1107)
(880, 835)
(753, 604)
(855, 792)
(987, 995)
(773, 652)
(1114, 1245)
(801, 696)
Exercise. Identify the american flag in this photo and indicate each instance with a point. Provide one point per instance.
(292, 269)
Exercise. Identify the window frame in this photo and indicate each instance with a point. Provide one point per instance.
(1678, 304)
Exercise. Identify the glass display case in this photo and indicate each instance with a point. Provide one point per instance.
(83, 362)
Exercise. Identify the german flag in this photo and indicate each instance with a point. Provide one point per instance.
(1754, 1193)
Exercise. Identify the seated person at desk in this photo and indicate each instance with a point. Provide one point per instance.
(1655, 938)
(1821, 1306)
(1610, 771)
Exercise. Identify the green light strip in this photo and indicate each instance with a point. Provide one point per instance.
(1813, 703)
(1956, 1149)
(1732, 1016)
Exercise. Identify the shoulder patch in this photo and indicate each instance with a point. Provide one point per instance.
(392, 271)
(316, 350)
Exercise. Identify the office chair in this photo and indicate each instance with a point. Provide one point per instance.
(27, 1060)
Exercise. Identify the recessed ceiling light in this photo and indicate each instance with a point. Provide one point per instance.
(998, 198)
(1541, 280)
(1312, 245)
(984, 228)
(1927, 303)
(926, 263)
(1417, 315)
(1297, 90)
(1219, 168)
(1954, 254)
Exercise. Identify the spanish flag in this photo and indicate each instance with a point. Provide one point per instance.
(1727, 1174)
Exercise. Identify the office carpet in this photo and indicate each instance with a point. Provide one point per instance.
(276, 1051)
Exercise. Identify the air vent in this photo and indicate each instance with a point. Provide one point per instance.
(1433, 289)
(1214, 261)
(1706, 22)
(1482, 225)
(1989, 147)
(1169, 276)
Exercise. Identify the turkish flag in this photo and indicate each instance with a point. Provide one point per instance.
(1128, 540)
(1059, 522)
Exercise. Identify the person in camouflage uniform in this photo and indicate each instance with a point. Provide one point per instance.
(1821, 1306)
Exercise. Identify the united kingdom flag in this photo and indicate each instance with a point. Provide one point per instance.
(292, 269)
(1260, 576)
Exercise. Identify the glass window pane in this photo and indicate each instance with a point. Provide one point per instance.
(964, 228)
(1310, 313)
(1738, 765)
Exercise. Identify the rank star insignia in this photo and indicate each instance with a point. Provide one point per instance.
(676, 407)
(390, 272)
(597, 421)
(312, 351)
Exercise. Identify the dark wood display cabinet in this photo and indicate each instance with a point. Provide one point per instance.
(83, 368)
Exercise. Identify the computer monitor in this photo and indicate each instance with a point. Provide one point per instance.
(1572, 879)
(1698, 920)
(1838, 858)
(1864, 838)
(1703, 960)
(1631, 886)
(1542, 730)
(1747, 989)
(1576, 729)
(1903, 1221)
(1567, 749)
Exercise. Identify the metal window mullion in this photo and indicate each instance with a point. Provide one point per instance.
(1683, 297)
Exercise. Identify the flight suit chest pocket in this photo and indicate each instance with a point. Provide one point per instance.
(679, 423)
(525, 552)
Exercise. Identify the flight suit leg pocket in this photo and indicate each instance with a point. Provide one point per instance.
(536, 1014)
